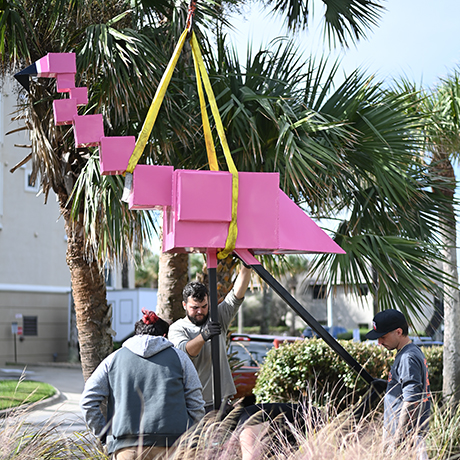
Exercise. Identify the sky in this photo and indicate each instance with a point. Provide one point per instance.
(417, 39)
(414, 39)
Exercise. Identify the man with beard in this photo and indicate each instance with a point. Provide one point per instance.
(192, 334)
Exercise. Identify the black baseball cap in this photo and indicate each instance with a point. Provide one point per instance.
(386, 321)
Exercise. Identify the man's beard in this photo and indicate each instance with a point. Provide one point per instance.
(198, 322)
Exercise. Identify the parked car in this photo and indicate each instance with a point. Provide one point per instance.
(425, 341)
(251, 350)
(334, 331)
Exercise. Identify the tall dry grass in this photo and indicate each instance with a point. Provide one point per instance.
(331, 436)
(20, 440)
(336, 436)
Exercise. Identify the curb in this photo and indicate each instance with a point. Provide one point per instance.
(34, 406)
(44, 364)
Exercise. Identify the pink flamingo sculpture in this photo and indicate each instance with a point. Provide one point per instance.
(194, 219)
(197, 205)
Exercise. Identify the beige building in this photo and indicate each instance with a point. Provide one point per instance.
(34, 277)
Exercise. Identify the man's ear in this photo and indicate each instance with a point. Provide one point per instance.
(184, 305)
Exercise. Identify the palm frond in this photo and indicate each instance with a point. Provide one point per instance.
(111, 228)
(17, 35)
(350, 20)
(407, 271)
(343, 21)
(122, 69)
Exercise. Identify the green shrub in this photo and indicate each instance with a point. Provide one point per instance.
(311, 368)
(345, 335)
(433, 357)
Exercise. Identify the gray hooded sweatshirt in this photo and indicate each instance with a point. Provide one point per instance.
(153, 393)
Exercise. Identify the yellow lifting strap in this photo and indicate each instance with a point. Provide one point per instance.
(210, 150)
(155, 106)
(201, 75)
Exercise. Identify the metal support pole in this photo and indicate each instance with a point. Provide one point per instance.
(214, 315)
(249, 259)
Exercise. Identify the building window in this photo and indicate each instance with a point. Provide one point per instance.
(363, 289)
(29, 186)
(108, 277)
(30, 325)
(319, 291)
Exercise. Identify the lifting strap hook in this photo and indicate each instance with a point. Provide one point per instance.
(190, 17)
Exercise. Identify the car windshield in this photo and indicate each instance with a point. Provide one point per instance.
(250, 353)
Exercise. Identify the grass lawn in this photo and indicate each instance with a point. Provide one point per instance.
(13, 393)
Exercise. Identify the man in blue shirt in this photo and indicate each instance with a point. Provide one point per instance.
(407, 397)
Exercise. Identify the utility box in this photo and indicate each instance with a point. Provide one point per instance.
(126, 308)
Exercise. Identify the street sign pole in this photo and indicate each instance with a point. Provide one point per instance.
(14, 330)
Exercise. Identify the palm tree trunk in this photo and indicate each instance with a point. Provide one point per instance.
(451, 355)
(172, 278)
(267, 298)
(74, 354)
(291, 315)
(225, 276)
(93, 314)
(375, 285)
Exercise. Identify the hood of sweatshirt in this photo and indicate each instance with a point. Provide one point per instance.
(146, 345)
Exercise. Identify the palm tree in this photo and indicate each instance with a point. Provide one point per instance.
(346, 149)
(390, 231)
(120, 59)
(441, 106)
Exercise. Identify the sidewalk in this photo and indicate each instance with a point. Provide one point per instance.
(62, 410)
